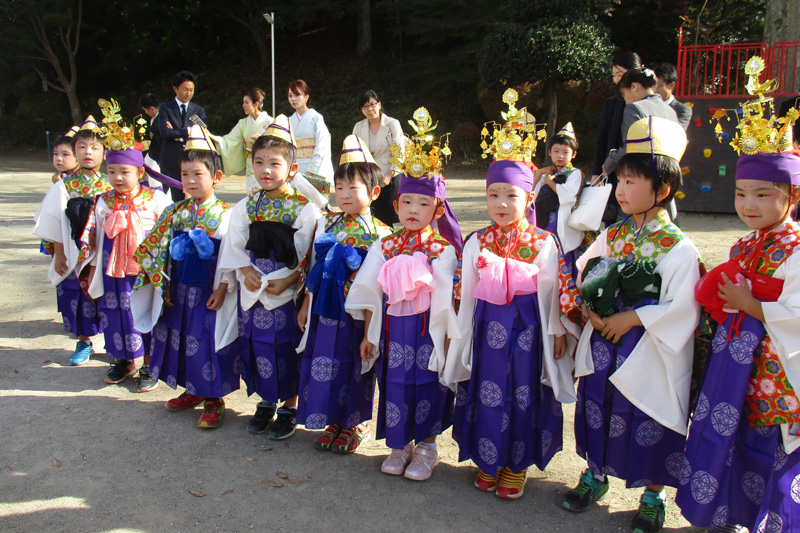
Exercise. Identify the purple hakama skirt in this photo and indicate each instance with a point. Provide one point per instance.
(78, 311)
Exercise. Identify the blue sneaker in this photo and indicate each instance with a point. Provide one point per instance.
(588, 491)
(81, 354)
(651, 515)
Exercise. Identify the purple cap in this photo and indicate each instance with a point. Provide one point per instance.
(512, 173)
(777, 168)
(129, 156)
(427, 185)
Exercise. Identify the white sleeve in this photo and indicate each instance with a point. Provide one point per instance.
(226, 327)
(442, 323)
(567, 196)
(366, 295)
(96, 287)
(781, 318)
(458, 365)
(51, 224)
(321, 160)
(665, 351)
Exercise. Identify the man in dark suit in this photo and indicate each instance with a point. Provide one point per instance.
(174, 121)
(667, 78)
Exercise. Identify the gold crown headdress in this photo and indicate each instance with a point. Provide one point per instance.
(117, 135)
(757, 132)
(417, 161)
(72, 131)
(517, 138)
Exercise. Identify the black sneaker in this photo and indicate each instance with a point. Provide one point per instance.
(262, 420)
(651, 515)
(145, 381)
(588, 491)
(284, 425)
(120, 371)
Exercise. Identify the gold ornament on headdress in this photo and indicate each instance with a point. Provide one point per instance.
(757, 133)
(417, 161)
(118, 135)
(517, 138)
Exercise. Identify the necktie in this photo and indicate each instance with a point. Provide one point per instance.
(183, 114)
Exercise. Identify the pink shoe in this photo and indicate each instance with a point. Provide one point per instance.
(422, 465)
(396, 463)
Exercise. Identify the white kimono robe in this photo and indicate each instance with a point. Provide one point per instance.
(314, 144)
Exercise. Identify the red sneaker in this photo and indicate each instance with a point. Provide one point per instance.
(485, 482)
(183, 402)
(511, 485)
(213, 413)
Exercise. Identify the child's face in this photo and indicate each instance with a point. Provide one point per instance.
(416, 211)
(507, 203)
(635, 193)
(353, 197)
(197, 180)
(89, 153)
(124, 178)
(760, 204)
(561, 154)
(271, 169)
(63, 158)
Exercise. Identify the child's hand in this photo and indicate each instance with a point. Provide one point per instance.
(560, 347)
(167, 299)
(618, 325)
(252, 278)
(217, 297)
(60, 263)
(595, 319)
(275, 287)
(366, 348)
(302, 313)
(739, 296)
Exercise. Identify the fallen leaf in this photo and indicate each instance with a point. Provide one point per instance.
(282, 475)
(270, 483)
(286, 445)
(48, 361)
(249, 459)
(196, 493)
(227, 492)
(56, 462)
(43, 292)
(296, 481)
(308, 475)
(83, 456)
(266, 449)
(16, 371)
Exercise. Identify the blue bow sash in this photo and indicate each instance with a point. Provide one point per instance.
(194, 249)
(335, 263)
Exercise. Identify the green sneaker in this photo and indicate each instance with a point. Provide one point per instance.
(588, 491)
(652, 512)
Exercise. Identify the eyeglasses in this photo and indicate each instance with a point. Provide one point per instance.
(371, 105)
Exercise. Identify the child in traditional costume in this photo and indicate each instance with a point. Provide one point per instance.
(270, 234)
(403, 292)
(741, 467)
(192, 314)
(635, 355)
(60, 221)
(557, 188)
(64, 159)
(121, 219)
(334, 392)
(509, 363)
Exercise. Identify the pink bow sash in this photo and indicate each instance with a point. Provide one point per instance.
(501, 278)
(407, 281)
(127, 230)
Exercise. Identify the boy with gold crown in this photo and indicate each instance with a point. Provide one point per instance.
(59, 221)
(635, 355)
(190, 311)
(270, 234)
(741, 468)
(408, 313)
(335, 394)
(121, 219)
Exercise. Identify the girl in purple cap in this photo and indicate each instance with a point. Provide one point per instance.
(121, 219)
(741, 467)
(408, 316)
(509, 363)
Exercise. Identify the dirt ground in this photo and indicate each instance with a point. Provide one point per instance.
(79, 455)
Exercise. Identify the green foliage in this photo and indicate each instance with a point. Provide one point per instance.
(724, 21)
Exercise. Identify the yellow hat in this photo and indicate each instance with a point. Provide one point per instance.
(72, 131)
(517, 138)
(417, 161)
(198, 140)
(281, 129)
(656, 136)
(355, 151)
(567, 131)
(90, 124)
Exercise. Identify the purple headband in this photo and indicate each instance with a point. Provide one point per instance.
(447, 224)
(129, 156)
(777, 168)
(512, 173)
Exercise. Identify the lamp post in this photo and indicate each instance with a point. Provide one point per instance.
(270, 18)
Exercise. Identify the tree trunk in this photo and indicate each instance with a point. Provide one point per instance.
(364, 28)
(782, 21)
(552, 112)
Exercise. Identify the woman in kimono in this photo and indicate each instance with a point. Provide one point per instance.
(313, 138)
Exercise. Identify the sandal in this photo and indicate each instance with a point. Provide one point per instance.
(350, 439)
(323, 442)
